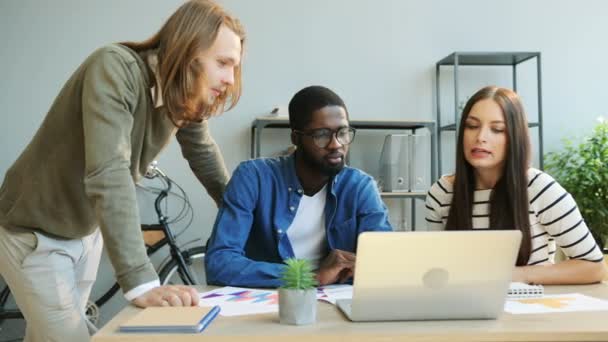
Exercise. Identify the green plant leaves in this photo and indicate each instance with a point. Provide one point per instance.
(582, 169)
(298, 275)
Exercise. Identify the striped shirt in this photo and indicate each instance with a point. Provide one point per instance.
(554, 218)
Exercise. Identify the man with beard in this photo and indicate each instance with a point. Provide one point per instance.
(308, 205)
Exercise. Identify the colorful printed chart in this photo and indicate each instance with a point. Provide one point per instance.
(236, 301)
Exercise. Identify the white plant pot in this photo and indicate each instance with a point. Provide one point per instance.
(297, 307)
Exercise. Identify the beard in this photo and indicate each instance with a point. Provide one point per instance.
(322, 165)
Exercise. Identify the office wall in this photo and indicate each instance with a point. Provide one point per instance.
(378, 55)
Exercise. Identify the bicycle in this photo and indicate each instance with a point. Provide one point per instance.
(179, 267)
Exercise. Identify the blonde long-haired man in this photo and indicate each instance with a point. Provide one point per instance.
(75, 181)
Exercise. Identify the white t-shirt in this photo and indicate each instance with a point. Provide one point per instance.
(307, 231)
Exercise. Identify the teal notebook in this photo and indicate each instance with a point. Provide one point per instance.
(193, 319)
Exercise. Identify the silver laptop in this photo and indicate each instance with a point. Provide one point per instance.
(432, 275)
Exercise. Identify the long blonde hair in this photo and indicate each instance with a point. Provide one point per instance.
(190, 30)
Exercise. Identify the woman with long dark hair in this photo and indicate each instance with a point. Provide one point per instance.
(496, 188)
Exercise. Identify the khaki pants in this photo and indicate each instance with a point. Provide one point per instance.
(51, 280)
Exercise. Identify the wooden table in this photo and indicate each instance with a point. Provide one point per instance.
(333, 326)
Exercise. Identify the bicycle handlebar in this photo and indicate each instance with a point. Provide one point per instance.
(152, 172)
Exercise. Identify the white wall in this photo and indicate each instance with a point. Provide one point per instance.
(378, 55)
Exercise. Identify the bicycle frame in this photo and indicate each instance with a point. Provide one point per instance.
(176, 254)
(168, 239)
(4, 313)
(149, 251)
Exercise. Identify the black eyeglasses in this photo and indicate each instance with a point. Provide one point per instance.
(322, 136)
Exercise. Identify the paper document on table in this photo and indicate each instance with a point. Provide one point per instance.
(236, 301)
(331, 293)
(555, 303)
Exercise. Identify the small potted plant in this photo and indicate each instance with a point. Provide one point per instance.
(582, 169)
(298, 294)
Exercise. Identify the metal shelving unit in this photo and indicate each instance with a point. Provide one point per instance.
(457, 60)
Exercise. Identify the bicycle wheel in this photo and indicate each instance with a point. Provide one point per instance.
(12, 324)
(8, 307)
(195, 261)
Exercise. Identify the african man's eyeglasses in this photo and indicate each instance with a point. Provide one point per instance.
(322, 136)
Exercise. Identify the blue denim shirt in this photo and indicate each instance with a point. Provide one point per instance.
(249, 240)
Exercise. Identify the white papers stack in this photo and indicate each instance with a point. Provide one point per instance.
(331, 293)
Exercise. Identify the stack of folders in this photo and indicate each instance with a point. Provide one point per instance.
(190, 320)
(523, 290)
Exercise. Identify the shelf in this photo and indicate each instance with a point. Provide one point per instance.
(397, 194)
(270, 121)
(451, 127)
(459, 59)
(488, 58)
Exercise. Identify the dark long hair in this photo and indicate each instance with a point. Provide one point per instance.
(509, 199)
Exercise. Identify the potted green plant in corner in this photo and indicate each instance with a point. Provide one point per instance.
(298, 294)
(582, 169)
